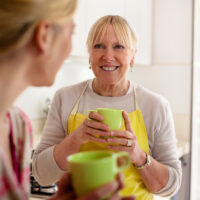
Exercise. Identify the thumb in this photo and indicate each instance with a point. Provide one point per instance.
(127, 121)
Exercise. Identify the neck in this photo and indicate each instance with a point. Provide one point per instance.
(112, 90)
(12, 83)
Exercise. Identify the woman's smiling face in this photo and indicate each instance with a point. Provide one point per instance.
(109, 59)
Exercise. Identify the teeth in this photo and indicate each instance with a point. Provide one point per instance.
(109, 68)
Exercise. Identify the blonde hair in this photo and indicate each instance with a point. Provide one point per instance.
(19, 19)
(122, 29)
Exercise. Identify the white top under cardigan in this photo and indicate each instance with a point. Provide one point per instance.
(158, 121)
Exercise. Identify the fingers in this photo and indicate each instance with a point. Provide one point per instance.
(95, 116)
(115, 196)
(121, 133)
(65, 191)
(127, 121)
(121, 141)
(68, 196)
(96, 139)
(96, 125)
(93, 131)
(128, 198)
(65, 183)
(120, 179)
(119, 148)
(101, 192)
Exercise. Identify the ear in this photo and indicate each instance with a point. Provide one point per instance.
(133, 57)
(132, 60)
(43, 36)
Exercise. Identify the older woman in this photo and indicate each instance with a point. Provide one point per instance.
(148, 135)
(35, 38)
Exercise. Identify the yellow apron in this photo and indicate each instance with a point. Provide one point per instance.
(133, 183)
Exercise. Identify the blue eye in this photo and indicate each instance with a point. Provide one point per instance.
(119, 46)
(97, 46)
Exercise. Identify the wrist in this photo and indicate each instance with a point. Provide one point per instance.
(144, 161)
(141, 158)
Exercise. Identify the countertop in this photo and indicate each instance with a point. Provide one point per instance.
(33, 197)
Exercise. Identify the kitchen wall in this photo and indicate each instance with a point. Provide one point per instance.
(169, 73)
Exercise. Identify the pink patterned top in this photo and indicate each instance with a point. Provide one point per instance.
(15, 180)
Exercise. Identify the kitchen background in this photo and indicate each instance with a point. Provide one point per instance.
(163, 63)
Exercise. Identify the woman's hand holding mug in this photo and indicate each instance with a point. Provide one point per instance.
(66, 192)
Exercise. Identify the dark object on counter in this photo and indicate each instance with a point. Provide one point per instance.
(37, 189)
(42, 190)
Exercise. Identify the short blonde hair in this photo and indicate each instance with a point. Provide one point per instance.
(122, 29)
(19, 19)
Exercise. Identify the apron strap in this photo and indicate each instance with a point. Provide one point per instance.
(135, 99)
(75, 108)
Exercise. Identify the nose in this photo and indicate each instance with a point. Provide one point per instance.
(108, 55)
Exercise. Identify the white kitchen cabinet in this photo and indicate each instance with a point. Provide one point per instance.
(139, 15)
(137, 12)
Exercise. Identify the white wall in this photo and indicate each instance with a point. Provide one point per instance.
(172, 32)
(168, 75)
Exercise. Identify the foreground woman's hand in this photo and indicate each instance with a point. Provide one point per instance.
(65, 190)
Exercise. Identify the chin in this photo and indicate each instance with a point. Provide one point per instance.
(44, 83)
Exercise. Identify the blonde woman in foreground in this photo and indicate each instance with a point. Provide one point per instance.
(35, 38)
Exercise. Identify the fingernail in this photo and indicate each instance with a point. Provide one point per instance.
(109, 140)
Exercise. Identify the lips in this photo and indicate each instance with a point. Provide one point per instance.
(109, 68)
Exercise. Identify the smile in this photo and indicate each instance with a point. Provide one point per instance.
(109, 68)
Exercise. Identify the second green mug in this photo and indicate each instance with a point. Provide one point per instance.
(91, 169)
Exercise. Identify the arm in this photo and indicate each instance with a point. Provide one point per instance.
(155, 175)
(45, 169)
(49, 160)
(163, 175)
(164, 153)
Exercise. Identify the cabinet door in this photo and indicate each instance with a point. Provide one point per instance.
(139, 15)
(79, 36)
(99, 8)
(137, 12)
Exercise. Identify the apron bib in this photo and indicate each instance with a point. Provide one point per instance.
(133, 182)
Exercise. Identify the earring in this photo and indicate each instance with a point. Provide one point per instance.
(90, 65)
(131, 68)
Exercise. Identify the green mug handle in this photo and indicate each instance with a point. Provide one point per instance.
(127, 162)
(87, 113)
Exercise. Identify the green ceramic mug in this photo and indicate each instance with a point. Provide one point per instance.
(90, 169)
(112, 117)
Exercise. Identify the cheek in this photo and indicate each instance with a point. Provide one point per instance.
(125, 59)
(66, 42)
(95, 57)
